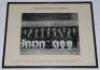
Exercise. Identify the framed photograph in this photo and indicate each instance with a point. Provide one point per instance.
(49, 35)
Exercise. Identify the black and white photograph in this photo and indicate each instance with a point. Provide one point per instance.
(50, 33)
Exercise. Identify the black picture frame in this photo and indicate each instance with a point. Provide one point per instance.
(6, 26)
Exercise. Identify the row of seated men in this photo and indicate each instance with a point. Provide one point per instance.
(63, 37)
(47, 44)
